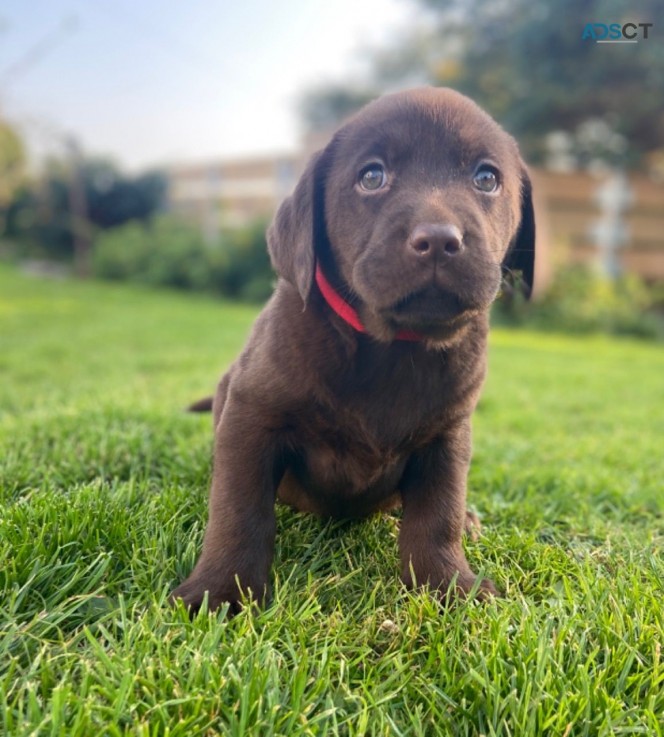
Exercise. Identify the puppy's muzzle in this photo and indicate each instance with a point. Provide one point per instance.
(433, 241)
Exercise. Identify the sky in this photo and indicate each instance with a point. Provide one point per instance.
(150, 83)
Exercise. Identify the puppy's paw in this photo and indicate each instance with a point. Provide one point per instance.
(472, 525)
(487, 590)
(464, 587)
(193, 593)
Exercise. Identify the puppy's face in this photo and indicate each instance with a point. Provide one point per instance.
(417, 201)
(422, 200)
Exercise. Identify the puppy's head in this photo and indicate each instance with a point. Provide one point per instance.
(414, 210)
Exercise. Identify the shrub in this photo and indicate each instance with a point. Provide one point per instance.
(582, 300)
(166, 252)
(241, 264)
(170, 252)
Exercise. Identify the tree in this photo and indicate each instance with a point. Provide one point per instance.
(12, 168)
(525, 61)
(325, 107)
(40, 215)
(114, 199)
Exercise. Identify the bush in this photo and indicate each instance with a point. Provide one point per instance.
(166, 253)
(170, 252)
(580, 300)
(38, 221)
(241, 264)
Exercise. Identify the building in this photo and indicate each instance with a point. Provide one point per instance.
(569, 212)
(231, 193)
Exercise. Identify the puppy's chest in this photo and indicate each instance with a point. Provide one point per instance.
(370, 415)
(359, 445)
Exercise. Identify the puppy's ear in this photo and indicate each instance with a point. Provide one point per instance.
(299, 227)
(520, 255)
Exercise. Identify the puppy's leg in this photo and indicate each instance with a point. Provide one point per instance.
(239, 539)
(472, 525)
(433, 492)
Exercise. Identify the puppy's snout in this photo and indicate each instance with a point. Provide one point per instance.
(430, 240)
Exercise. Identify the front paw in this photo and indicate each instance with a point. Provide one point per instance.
(472, 526)
(482, 589)
(453, 582)
(194, 591)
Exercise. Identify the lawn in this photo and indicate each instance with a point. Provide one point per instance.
(103, 486)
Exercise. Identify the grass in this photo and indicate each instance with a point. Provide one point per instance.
(103, 485)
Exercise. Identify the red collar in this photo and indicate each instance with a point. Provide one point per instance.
(347, 313)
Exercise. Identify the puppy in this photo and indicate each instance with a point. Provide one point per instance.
(355, 390)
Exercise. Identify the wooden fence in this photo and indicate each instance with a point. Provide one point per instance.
(567, 213)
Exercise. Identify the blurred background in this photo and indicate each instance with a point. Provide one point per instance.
(153, 144)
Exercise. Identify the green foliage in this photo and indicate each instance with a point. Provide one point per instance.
(241, 265)
(38, 218)
(114, 198)
(526, 63)
(104, 492)
(324, 108)
(580, 300)
(165, 253)
(169, 252)
(12, 165)
(39, 222)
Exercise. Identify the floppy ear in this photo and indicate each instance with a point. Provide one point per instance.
(520, 255)
(298, 228)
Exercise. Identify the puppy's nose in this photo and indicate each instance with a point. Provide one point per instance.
(428, 240)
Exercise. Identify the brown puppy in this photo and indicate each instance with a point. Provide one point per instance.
(355, 390)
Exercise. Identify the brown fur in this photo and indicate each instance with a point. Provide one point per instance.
(341, 423)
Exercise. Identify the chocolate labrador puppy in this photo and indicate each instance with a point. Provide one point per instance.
(356, 388)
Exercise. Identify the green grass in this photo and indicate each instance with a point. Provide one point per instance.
(103, 486)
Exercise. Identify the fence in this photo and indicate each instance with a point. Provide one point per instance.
(567, 214)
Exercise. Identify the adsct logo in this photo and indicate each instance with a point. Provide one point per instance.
(615, 33)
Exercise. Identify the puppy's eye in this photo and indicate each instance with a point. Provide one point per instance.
(373, 177)
(486, 179)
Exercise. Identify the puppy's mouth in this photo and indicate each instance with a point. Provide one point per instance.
(429, 310)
